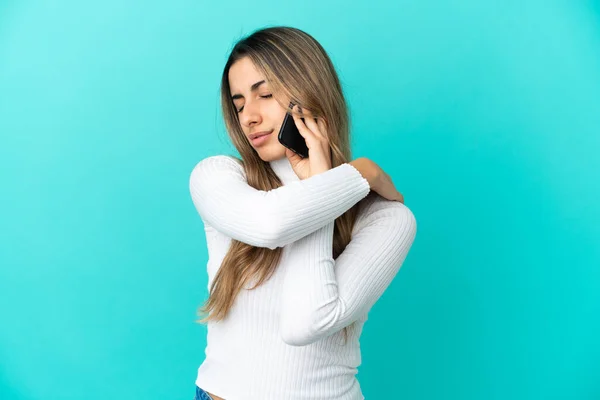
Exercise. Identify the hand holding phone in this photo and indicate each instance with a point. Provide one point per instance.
(290, 136)
(312, 133)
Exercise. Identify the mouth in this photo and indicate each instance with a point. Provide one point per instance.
(259, 134)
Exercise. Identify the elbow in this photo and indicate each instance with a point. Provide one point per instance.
(264, 233)
(297, 335)
(271, 238)
(298, 331)
(301, 325)
(276, 236)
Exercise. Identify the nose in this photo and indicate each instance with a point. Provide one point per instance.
(250, 115)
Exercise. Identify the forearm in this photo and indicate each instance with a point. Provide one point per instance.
(321, 295)
(367, 169)
(276, 217)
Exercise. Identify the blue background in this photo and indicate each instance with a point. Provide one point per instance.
(485, 113)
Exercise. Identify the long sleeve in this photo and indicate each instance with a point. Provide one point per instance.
(273, 218)
(322, 295)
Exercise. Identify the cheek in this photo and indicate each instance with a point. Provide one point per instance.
(276, 112)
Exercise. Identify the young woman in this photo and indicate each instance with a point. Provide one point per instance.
(299, 249)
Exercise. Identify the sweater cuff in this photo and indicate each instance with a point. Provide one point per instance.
(354, 170)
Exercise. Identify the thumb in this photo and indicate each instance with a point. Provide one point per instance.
(291, 155)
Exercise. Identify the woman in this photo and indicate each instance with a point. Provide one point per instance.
(299, 249)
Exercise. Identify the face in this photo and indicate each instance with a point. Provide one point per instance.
(257, 109)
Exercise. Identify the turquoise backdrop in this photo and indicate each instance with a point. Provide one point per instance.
(485, 113)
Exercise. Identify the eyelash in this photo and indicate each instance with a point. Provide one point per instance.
(264, 97)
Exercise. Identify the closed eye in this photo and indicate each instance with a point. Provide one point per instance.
(264, 97)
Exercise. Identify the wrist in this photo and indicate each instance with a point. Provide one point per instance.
(367, 168)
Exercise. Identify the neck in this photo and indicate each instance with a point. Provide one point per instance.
(283, 169)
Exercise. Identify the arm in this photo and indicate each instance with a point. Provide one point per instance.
(322, 295)
(276, 217)
(368, 169)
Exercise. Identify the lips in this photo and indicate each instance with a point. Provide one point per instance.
(259, 134)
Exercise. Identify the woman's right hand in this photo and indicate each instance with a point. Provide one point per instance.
(385, 187)
(378, 179)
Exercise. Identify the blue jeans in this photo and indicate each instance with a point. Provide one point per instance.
(201, 395)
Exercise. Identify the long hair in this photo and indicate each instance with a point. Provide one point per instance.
(298, 68)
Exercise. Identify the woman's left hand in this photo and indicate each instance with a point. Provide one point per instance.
(314, 132)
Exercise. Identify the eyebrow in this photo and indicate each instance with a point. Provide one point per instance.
(252, 89)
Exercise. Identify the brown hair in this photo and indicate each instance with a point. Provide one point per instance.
(298, 68)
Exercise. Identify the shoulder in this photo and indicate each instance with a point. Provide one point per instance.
(375, 209)
(222, 160)
(217, 165)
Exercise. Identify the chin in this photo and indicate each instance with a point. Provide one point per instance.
(271, 153)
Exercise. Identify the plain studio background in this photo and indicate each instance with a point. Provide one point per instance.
(485, 113)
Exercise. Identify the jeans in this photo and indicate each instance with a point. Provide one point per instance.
(201, 395)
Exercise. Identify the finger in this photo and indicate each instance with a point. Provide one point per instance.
(293, 157)
(306, 133)
(311, 123)
(309, 120)
(322, 126)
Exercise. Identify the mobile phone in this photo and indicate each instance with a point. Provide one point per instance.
(290, 137)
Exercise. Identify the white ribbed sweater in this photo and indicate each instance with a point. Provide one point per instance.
(284, 339)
